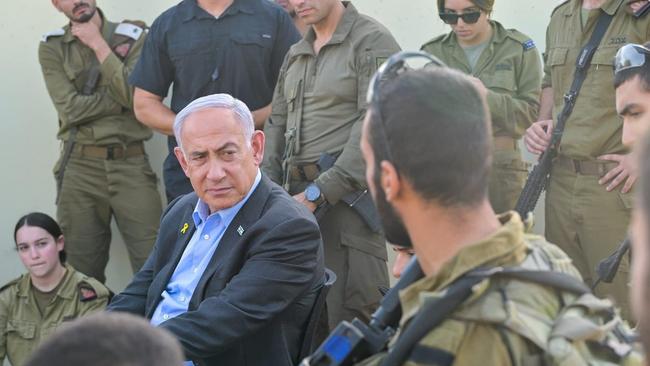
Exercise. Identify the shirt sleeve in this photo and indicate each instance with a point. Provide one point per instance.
(117, 73)
(274, 129)
(73, 108)
(154, 71)
(287, 36)
(516, 112)
(348, 173)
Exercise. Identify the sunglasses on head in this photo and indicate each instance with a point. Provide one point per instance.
(630, 56)
(468, 18)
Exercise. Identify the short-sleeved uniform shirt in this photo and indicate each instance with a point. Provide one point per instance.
(239, 53)
(593, 128)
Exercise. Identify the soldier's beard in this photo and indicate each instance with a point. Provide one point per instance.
(84, 18)
(393, 224)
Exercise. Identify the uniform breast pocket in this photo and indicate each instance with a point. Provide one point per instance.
(502, 81)
(253, 49)
(20, 331)
(194, 59)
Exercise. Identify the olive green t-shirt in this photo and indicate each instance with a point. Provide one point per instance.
(44, 298)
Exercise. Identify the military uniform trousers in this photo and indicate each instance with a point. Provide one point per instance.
(94, 190)
(508, 174)
(358, 257)
(589, 223)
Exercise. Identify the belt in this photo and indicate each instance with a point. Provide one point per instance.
(584, 167)
(109, 152)
(306, 172)
(504, 143)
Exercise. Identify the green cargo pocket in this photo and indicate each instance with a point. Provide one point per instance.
(366, 270)
(627, 199)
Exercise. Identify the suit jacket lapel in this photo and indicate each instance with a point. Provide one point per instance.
(184, 235)
(236, 232)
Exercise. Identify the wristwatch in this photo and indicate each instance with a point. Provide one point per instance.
(313, 194)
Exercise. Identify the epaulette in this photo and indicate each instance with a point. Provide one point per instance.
(55, 33)
(10, 283)
(435, 40)
(90, 289)
(525, 41)
(131, 28)
(559, 6)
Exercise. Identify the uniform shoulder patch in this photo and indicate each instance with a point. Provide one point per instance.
(130, 29)
(525, 40)
(90, 289)
(529, 45)
(55, 33)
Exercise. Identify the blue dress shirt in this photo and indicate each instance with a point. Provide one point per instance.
(196, 257)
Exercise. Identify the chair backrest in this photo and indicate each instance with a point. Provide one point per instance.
(317, 328)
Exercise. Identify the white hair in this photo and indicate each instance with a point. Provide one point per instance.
(239, 109)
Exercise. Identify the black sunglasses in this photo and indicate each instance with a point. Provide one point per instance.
(630, 56)
(394, 66)
(468, 18)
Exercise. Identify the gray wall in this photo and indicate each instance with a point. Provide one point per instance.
(29, 120)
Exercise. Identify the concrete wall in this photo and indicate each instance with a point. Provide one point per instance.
(29, 124)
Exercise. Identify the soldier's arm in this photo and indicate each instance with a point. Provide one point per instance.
(518, 111)
(4, 313)
(73, 107)
(117, 73)
(274, 130)
(348, 173)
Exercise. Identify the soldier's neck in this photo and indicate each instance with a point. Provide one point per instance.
(592, 4)
(215, 7)
(438, 234)
(50, 281)
(326, 27)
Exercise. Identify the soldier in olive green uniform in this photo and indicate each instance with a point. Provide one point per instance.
(507, 63)
(587, 202)
(33, 305)
(28, 316)
(104, 171)
(318, 108)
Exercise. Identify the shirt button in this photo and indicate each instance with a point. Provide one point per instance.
(182, 298)
(195, 270)
(206, 236)
(166, 316)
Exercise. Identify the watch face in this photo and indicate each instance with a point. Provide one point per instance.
(312, 192)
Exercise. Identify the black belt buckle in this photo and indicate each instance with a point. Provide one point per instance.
(110, 152)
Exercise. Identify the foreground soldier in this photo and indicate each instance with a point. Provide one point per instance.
(588, 202)
(449, 219)
(318, 108)
(103, 171)
(506, 69)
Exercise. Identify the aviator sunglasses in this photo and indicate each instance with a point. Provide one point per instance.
(452, 18)
(630, 56)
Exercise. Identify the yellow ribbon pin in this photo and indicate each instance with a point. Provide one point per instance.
(185, 227)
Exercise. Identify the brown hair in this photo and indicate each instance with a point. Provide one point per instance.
(485, 5)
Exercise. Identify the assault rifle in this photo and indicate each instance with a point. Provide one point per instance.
(538, 178)
(351, 342)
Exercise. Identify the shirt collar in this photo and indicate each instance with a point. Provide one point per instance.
(504, 246)
(190, 9)
(202, 211)
(65, 290)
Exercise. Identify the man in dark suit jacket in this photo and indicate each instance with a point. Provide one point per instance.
(238, 263)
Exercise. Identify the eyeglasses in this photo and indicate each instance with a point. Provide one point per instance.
(394, 66)
(468, 18)
(630, 56)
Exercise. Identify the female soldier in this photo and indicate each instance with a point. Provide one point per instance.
(506, 69)
(33, 305)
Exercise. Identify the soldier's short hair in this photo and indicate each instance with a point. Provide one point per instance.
(224, 101)
(643, 72)
(437, 135)
(45, 222)
(108, 339)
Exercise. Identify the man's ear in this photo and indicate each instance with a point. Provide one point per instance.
(390, 180)
(181, 160)
(257, 144)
